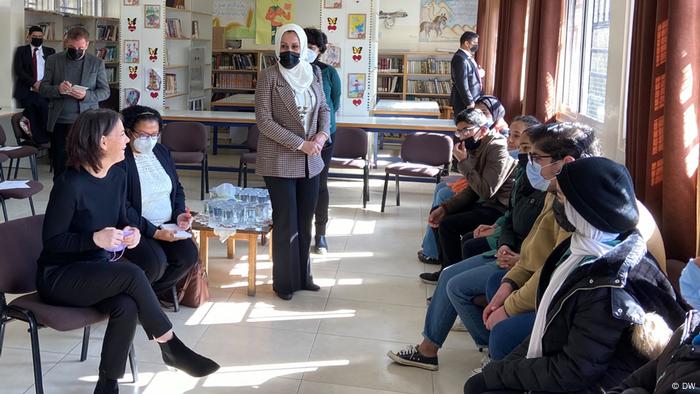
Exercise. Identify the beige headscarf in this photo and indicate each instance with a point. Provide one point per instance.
(300, 76)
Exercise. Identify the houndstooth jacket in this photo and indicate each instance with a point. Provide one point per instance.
(281, 128)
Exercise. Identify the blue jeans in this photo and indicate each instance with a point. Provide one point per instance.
(430, 246)
(461, 290)
(441, 314)
(509, 333)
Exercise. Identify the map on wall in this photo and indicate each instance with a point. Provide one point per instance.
(236, 17)
(446, 20)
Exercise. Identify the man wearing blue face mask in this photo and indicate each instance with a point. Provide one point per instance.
(677, 369)
(74, 82)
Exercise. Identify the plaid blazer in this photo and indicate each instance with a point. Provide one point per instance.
(281, 128)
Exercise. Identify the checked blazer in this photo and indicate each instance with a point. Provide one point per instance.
(281, 128)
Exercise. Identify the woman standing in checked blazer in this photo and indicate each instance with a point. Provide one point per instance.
(294, 122)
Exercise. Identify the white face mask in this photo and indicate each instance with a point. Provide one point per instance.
(145, 144)
(311, 56)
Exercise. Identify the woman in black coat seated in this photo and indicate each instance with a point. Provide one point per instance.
(155, 197)
(84, 228)
(599, 298)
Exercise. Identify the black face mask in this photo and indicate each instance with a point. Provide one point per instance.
(471, 143)
(75, 54)
(523, 159)
(289, 59)
(474, 48)
(36, 42)
(560, 217)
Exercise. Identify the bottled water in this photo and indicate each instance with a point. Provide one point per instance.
(248, 208)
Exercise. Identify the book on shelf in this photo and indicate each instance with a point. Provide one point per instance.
(108, 53)
(389, 84)
(170, 83)
(233, 81)
(174, 28)
(106, 33)
(175, 4)
(390, 64)
(234, 61)
(111, 73)
(427, 86)
(268, 60)
(195, 30)
(429, 66)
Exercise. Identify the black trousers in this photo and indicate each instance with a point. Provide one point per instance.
(118, 289)
(293, 203)
(58, 148)
(36, 109)
(472, 246)
(321, 213)
(477, 385)
(164, 263)
(452, 227)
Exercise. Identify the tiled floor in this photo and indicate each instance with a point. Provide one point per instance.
(330, 342)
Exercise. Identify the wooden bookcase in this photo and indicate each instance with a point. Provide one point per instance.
(415, 76)
(236, 70)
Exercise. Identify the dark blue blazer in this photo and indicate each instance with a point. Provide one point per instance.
(133, 189)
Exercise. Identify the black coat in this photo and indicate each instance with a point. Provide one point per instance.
(24, 74)
(587, 343)
(133, 189)
(678, 364)
(466, 82)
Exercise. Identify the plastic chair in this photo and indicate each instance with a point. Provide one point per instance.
(424, 155)
(187, 142)
(350, 152)
(21, 245)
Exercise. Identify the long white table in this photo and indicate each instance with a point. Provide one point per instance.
(373, 124)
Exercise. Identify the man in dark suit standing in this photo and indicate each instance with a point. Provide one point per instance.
(28, 65)
(74, 82)
(466, 81)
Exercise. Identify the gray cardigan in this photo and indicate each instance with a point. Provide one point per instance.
(94, 77)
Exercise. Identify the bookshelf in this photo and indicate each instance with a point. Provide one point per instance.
(188, 25)
(235, 70)
(421, 76)
(104, 38)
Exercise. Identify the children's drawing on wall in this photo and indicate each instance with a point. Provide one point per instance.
(446, 20)
(357, 26)
(332, 4)
(236, 17)
(153, 82)
(271, 15)
(332, 55)
(356, 85)
(151, 13)
(131, 97)
(131, 51)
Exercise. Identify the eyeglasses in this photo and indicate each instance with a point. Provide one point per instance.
(144, 137)
(535, 158)
(466, 130)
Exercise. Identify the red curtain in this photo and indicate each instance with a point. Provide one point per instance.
(546, 18)
(487, 29)
(663, 116)
(509, 55)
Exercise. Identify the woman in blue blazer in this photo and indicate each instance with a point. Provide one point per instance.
(155, 197)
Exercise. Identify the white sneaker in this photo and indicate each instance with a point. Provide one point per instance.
(485, 360)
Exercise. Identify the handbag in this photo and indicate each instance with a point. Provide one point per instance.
(193, 289)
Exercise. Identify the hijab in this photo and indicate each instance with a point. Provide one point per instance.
(300, 76)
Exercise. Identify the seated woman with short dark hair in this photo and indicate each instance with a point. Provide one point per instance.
(155, 197)
(84, 228)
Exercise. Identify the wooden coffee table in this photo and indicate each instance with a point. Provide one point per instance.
(250, 236)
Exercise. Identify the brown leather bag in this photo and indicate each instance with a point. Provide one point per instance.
(193, 289)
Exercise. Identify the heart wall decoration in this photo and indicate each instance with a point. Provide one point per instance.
(357, 102)
(154, 94)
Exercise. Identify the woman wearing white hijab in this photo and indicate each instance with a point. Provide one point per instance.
(601, 299)
(294, 121)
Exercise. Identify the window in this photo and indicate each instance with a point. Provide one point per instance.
(74, 7)
(586, 57)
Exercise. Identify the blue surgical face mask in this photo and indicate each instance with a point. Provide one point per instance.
(690, 284)
(536, 179)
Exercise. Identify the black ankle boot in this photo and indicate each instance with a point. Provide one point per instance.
(177, 355)
(321, 246)
(106, 386)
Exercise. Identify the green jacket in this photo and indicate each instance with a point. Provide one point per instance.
(331, 87)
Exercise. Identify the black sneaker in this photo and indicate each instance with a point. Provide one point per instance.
(430, 278)
(321, 246)
(411, 357)
(423, 258)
